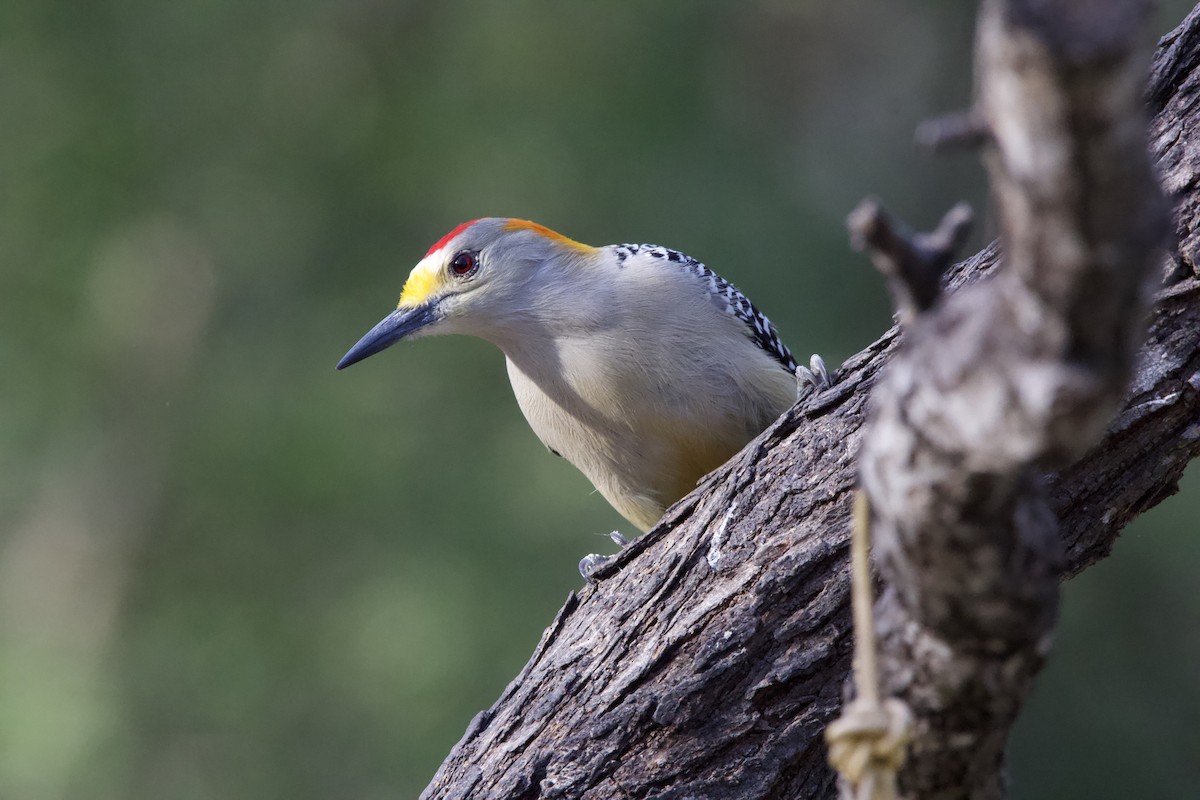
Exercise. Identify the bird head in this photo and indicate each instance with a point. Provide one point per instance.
(478, 279)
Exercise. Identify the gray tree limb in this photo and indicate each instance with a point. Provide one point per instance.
(1010, 377)
(712, 652)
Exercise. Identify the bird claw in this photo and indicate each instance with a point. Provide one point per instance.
(814, 377)
(589, 564)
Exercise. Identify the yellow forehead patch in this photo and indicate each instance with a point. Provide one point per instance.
(542, 230)
(423, 282)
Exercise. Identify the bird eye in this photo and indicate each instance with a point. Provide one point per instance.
(464, 264)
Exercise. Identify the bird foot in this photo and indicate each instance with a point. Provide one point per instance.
(590, 563)
(813, 378)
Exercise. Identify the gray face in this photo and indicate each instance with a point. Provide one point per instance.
(466, 284)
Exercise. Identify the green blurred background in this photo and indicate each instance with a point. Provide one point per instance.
(227, 571)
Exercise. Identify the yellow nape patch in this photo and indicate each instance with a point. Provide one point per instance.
(554, 236)
(423, 282)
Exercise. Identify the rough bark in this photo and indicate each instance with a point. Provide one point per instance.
(708, 658)
(1011, 376)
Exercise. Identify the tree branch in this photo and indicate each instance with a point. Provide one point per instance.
(712, 652)
(1007, 378)
(913, 264)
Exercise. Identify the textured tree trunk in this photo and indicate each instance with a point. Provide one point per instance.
(710, 655)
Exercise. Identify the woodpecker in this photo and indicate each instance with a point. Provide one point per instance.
(636, 363)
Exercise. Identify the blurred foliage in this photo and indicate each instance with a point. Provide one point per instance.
(227, 571)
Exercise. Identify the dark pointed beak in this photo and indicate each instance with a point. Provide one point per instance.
(391, 329)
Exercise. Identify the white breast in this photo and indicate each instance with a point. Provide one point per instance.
(646, 384)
